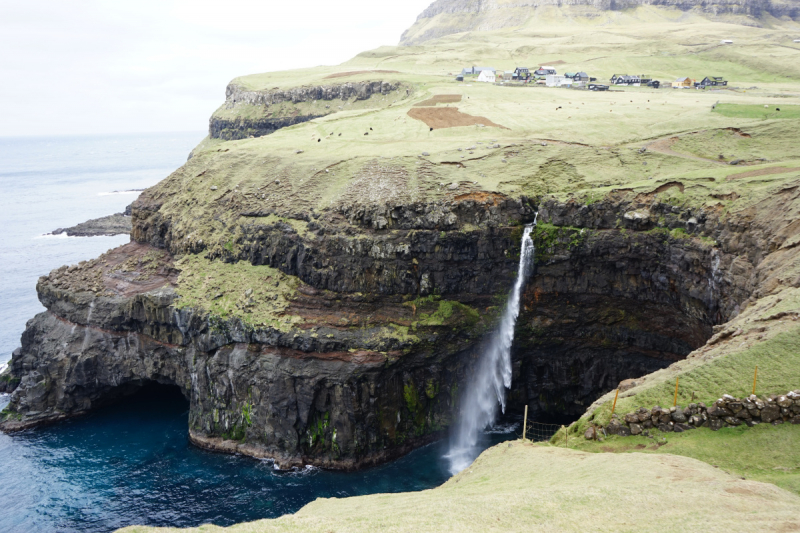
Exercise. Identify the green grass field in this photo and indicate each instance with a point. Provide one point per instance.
(526, 487)
(764, 112)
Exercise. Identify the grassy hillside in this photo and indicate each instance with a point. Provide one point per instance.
(569, 144)
(538, 488)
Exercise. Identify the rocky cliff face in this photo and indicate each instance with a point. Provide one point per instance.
(271, 110)
(614, 296)
(455, 16)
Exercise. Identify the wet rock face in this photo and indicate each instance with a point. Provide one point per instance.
(604, 305)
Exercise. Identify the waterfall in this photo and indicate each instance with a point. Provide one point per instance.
(492, 377)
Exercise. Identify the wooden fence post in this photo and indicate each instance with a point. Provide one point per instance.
(525, 424)
(615, 402)
(675, 399)
(755, 378)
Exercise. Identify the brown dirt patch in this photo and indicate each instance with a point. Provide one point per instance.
(440, 99)
(761, 172)
(729, 196)
(648, 197)
(354, 72)
(448, 117)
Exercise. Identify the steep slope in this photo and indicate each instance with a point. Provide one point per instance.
(445, 17)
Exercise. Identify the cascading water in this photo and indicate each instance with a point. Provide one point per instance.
(488, 386)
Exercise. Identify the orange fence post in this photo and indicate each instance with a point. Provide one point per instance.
(755, 378)
(615, 402)
(675, 399)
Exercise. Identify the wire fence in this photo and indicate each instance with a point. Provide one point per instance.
(539, 432)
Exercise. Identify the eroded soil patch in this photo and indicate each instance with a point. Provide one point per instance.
(449, 117)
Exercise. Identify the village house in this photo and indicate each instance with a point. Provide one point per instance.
(475, 71)
(578, 76)
(544, 71)
(555, 80)
(521, 73)
(683, 83)
(487, 76)
(711, 81)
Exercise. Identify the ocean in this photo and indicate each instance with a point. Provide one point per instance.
(131, 463)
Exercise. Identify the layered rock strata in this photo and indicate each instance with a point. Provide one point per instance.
(226, 125)
(346, 397)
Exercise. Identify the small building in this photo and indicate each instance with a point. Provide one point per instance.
(487, 76)
(475, 71)
(683, 83)
(521, 73)
(508, 75)
(555, 80)
(712, 81)
(579, 76)
(726, 41)
(544, 71)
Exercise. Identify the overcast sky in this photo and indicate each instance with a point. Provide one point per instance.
(119, 66)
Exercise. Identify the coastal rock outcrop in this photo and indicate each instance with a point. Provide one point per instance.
(416, 300)
(270, 110)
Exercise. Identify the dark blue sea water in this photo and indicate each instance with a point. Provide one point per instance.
(130, 463)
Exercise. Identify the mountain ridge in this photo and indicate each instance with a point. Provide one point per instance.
(445, 17)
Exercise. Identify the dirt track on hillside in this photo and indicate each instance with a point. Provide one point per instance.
(761, 172)
(354, 72)
(448, 117)
(440, 99)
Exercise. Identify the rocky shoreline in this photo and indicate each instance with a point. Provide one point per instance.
(116, 224)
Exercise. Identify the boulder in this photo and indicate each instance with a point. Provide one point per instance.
(770, 413)
(678, 417)
(732, 421)
(719, 411)
(635, 429)
(783, 401)
(715, 424)
(590, 433)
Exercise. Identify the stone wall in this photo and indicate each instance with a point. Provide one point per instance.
(725, 412)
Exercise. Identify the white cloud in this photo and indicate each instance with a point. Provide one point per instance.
(95, 66)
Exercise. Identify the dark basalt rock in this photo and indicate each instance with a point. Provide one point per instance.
(604, 305)
(116, 224)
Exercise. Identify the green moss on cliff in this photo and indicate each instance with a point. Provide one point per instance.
(258, 295)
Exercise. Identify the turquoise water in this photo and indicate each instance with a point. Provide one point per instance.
(131, 463)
